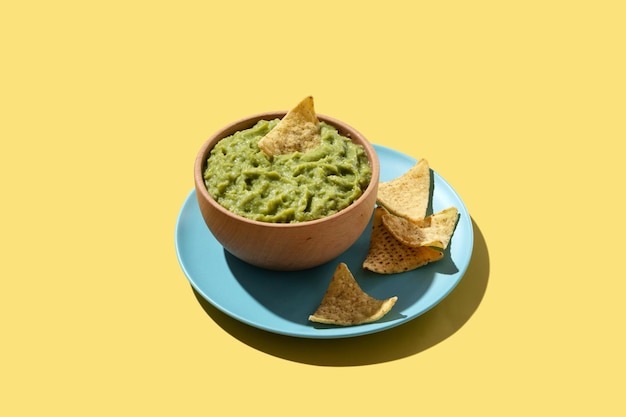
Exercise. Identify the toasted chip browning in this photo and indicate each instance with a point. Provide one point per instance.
(298, 131)
(408, 195)
(346, 304)
(435, 230)
(387, 255)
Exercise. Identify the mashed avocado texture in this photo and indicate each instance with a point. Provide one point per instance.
(287, 188)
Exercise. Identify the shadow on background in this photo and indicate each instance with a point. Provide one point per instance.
(415, 336)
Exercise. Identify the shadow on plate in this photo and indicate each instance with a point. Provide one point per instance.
(413, 337)
(294, 295)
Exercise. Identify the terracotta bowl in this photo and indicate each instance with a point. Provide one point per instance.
(286, 246)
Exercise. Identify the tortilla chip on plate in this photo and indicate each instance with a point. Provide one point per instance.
(297, 131)
(387, 255)
(346, 304)
(408, 195)
(435, 230)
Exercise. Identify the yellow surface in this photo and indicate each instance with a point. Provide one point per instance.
(103, 106)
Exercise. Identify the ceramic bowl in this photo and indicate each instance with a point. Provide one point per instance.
(286, 246)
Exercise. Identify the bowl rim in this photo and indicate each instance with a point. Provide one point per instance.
(221, 133)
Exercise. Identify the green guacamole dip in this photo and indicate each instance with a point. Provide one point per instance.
(287, 188)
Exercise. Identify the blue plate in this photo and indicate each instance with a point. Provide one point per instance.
(281, 302)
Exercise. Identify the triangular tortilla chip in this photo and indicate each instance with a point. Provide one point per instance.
(387, 255)
(435, 230)
(346, 304)
(408, 195)
(298, 131)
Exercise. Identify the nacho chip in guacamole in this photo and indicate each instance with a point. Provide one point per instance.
(297, 131)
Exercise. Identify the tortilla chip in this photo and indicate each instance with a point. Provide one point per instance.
(346, 304)
(435, 230)
(387, 255)
(408, 195)
(298, 131)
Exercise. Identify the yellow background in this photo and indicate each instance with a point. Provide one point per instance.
(520, 106)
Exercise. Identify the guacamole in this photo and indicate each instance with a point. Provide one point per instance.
(288, 188)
